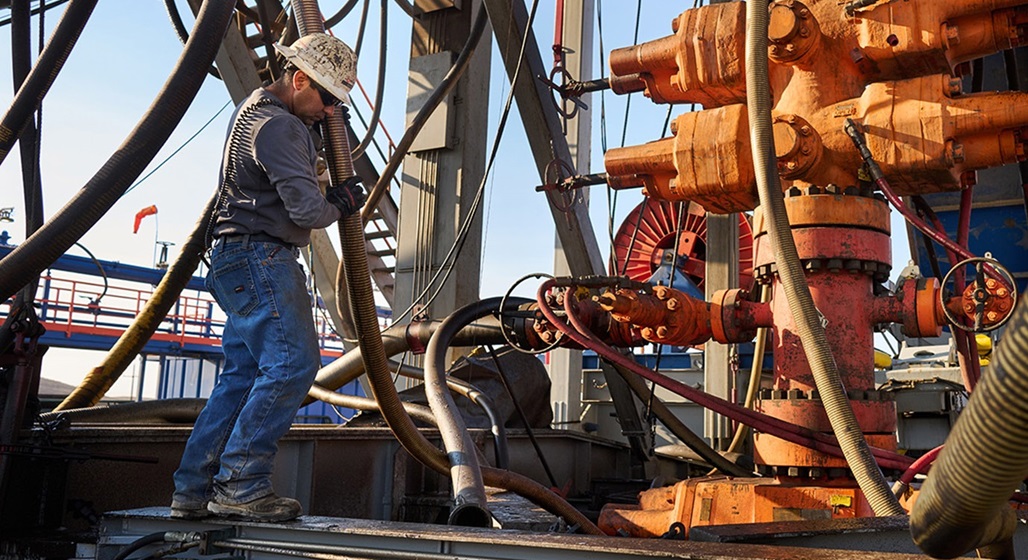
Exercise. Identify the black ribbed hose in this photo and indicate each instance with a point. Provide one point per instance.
(21, 67)
(43, 74)
(161, 411)
(790, 271)
(354, 268)
(101, 378)
(468, 488)
(964, 503)
(101, 192)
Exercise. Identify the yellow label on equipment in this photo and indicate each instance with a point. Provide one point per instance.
(843, 501)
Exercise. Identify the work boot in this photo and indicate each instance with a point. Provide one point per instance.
(270, 508)
(183, 511)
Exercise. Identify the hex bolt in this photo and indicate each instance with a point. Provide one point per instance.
(790, 48)
(805, 130)
(662, 332)
(672, 304)
(990, 283)
(969, 308)
(1002, 292)
(661, 292)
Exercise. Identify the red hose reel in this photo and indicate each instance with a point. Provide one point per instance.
(656, 231)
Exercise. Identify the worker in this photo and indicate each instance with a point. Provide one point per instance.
(268, 203)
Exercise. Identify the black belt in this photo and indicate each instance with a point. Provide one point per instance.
(247, 238)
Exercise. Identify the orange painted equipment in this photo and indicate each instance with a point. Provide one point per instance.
(666, 317)
(700, 502)
(926, 138)
(703, 62)
(890, 68)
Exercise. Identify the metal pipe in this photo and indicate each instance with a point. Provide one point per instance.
(468, 488)
(790, 272)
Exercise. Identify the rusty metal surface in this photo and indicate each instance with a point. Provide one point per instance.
(720, 501)
(356, 472)
(886, 68)
(121, 528)
(774, 451)
(831, 209)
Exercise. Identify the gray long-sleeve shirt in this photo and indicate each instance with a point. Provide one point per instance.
(274, 187)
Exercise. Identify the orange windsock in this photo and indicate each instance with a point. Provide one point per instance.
(148, 211)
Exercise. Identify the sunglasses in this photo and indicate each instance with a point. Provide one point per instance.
(327, 99)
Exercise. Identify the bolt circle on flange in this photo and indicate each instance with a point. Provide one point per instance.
(792, 32)
(988, 302)
(798, 145)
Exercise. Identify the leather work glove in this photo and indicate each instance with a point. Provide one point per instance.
(347, 197)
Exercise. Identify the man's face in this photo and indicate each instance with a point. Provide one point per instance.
(311, 103)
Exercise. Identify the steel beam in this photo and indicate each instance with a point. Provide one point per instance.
(543, 129)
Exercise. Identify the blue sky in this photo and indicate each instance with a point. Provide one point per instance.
(128, 49)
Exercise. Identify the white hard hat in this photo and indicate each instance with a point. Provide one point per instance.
(326, 60)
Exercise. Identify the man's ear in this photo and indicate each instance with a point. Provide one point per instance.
(300, 80)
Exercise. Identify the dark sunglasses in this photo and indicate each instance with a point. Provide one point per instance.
(327, 99)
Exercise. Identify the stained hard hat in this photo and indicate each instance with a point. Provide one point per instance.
(326, 60)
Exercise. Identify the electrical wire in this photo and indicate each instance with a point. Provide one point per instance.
(521, 414)
(360, 29)
(179, 149)
(376, 110)
(100, 267)
(40, 9)
(462, 234)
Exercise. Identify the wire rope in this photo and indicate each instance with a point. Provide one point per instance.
(179, 149)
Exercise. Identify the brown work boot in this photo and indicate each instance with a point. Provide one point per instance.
(270, 508)
(184, 511)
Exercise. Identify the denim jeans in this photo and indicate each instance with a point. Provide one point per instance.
(271, 358)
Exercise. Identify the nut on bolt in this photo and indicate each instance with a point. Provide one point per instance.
(672, 304)
(662, 332)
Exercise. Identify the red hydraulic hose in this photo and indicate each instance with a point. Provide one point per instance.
(970, 345)
(920, 466)
(767, 424)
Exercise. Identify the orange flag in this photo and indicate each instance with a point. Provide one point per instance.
(148, 211)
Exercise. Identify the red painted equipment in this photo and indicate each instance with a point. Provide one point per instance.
(888, 67)
(652, 228)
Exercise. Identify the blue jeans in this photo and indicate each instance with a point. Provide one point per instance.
(271, 358)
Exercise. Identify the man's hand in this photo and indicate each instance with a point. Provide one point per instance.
(347, 197)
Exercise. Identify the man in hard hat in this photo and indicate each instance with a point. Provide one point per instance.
(268, 203)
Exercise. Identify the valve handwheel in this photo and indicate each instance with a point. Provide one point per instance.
(988, 300)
